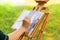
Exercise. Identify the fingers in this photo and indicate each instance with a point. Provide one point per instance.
(26, 19)
(26, 22)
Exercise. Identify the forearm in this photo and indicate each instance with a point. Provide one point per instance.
(16, 34)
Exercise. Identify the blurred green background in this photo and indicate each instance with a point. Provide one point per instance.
(8, 15)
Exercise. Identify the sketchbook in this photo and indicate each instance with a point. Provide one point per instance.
(34, 17)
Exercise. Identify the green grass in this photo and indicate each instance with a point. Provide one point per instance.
(9, 14)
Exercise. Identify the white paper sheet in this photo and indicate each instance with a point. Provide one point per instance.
(33, 15)
(18, 22)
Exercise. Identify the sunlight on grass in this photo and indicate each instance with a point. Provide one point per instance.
(26, 2)
(49, 38)
(48, 34)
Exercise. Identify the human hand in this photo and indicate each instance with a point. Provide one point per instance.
(26, 22)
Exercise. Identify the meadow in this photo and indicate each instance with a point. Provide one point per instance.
(8, 15)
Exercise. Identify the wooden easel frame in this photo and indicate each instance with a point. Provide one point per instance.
(45, 17)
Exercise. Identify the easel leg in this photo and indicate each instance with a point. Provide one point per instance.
(29, 38)
(22, 37)
(43, 27)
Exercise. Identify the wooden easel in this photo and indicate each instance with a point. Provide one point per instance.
(45, 17)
